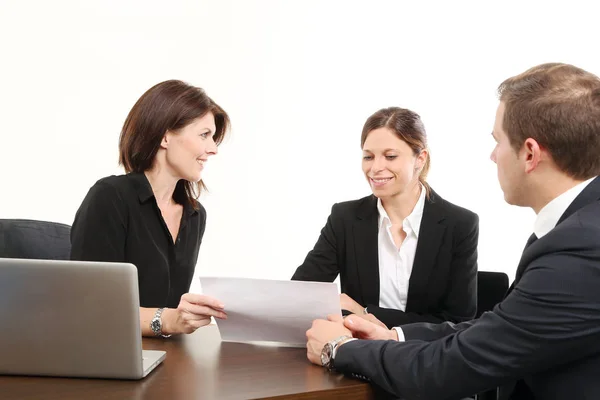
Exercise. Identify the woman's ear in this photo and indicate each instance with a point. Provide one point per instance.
(421, 159)
(164, 143)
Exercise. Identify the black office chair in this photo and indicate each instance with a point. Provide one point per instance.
(491, 289)
(23, 238)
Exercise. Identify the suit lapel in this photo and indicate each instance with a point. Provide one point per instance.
(431, 234)
(522, 263)
(365, 232)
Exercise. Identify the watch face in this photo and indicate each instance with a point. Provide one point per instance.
(326, 354)
(155, 325)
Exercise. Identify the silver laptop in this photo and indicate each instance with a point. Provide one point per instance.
(71, 319)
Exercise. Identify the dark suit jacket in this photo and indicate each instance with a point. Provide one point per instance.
(545, 333)
(442, 284)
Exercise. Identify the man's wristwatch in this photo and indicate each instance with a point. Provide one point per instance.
(328, 350)
(156, 323)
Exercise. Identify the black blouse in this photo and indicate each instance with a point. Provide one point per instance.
(119, 221)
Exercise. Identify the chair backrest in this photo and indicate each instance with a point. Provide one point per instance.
(491, 289)
(23, 238)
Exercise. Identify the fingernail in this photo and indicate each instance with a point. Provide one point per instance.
(221, 305)
(350, 321)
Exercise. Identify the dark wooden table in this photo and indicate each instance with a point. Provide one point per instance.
(200, 366)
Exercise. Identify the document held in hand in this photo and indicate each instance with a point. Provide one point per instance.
(271, 311)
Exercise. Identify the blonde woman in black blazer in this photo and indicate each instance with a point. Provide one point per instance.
(404, 254)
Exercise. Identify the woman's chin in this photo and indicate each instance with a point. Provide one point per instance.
(377, 192)
(193, 178)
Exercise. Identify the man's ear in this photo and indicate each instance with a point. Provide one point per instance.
(532, 151)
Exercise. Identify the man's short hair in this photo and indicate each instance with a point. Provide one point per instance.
(557, 105)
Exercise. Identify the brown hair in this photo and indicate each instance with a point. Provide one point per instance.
(167, 106)
(407, 125)
(557, 105)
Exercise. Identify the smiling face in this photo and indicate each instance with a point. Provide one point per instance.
(389, 164)
(188, 149)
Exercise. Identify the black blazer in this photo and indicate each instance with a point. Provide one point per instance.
(442, 285)
(545, 335)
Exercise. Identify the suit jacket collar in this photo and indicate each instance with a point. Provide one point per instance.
(551, 213)
(590, 194)
(367, 208)
(365, 231)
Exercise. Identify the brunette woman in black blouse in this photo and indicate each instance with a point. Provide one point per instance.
(150, 217)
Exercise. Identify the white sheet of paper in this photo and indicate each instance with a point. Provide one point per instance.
(269, 310)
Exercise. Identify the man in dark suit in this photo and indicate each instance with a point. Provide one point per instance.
(543, 340)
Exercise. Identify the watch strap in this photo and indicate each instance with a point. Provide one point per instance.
(156, 323)
(334, 343)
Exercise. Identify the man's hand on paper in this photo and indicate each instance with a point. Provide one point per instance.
(321, 332)
(193, 311)
(361, 328)
(347, 303)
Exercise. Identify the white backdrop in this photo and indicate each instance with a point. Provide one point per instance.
(298, 79)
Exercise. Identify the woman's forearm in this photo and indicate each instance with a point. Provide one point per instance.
(146, 316)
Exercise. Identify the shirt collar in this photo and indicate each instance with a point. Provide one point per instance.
(142, 186)
(145, 193)
(548, 216)
(415, 217)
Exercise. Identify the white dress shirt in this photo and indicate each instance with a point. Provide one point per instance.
(396, 263)
(546, 219)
